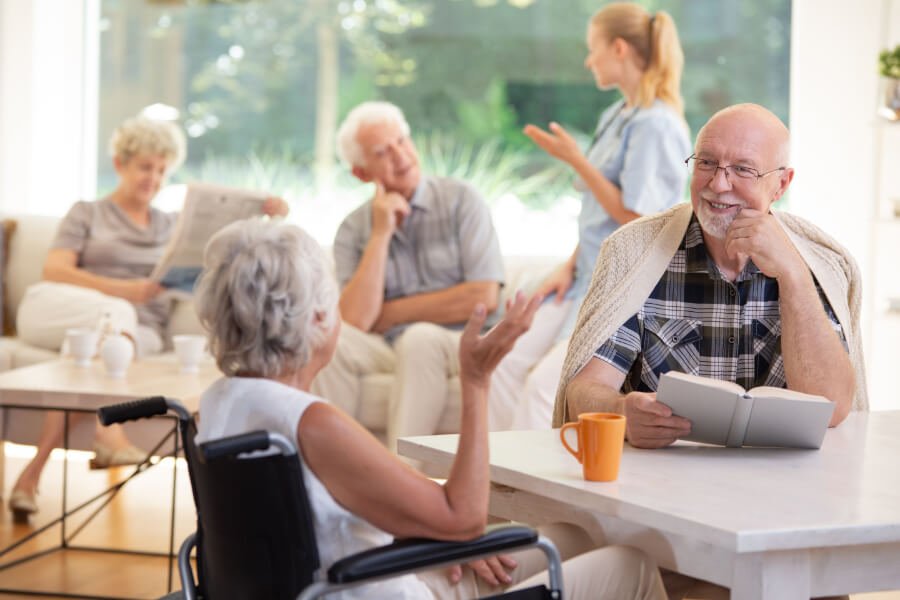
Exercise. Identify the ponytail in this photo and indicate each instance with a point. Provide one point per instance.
(655, 41)
(662, 76)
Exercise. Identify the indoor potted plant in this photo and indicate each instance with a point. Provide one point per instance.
(889, 67)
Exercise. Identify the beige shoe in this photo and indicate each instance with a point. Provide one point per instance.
(105, 457)
(22, 503)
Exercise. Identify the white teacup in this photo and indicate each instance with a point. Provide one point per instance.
(82, 344)
(189, 350)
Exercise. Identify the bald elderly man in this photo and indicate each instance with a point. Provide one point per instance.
(724, 287)
(729, 289)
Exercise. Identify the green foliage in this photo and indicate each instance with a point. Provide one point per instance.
(889, 62)
(492, 169)
(281, 172)
(485, 119)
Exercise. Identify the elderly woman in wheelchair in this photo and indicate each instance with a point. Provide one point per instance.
(269, 304)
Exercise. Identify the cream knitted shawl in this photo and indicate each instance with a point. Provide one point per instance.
(633, 259)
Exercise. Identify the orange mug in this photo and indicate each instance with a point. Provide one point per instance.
(600, 440)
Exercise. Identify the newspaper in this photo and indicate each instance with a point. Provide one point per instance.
(207, 209)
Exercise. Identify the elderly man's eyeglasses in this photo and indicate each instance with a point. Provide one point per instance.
(705, 165)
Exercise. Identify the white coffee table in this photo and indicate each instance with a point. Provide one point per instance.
(62, 385)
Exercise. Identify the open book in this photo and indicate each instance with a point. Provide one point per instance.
(724, 413)
(207, 209)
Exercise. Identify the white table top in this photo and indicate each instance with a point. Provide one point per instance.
(742, 499)
(62, 383)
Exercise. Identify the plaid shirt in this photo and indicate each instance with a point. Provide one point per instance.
(696, 321)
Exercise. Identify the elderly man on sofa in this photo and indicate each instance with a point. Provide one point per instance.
(412, 263)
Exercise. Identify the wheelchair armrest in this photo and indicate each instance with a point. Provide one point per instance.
(414, 554)
(131, 411)
(235, 444)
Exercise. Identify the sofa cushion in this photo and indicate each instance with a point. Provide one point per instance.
(27, 254)
(15, 354)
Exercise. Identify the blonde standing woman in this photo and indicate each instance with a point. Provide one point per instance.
(633, 166)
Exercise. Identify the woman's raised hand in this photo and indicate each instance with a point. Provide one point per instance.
(557, 142)
(480, 354)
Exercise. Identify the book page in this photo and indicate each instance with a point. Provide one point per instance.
(786, 418)
(709, 404)
(777, 392)
(207, 209)
(709, 382)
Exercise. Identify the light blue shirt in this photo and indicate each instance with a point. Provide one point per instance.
(641, 151)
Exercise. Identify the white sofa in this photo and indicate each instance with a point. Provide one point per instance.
(28, 249)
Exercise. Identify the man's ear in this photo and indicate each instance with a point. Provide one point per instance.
(362, 174)
(783, 183)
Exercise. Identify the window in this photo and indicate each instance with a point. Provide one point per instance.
(260, 88)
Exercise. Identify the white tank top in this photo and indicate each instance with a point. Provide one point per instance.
(235, 405)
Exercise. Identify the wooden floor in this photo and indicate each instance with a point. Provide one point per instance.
(138, 519)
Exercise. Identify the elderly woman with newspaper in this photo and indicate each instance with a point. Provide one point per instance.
(99, 267)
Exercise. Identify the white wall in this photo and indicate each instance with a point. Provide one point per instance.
(838, 153)
(834, 83)
(47, 146)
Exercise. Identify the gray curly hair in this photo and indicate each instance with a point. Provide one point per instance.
(266, 297)
(141, 135)
(366, 113)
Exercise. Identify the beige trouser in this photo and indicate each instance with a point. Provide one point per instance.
(611, 572)
(523, 387)
(357, 354)
(422, 360)
(49, 309)
(427, 357)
